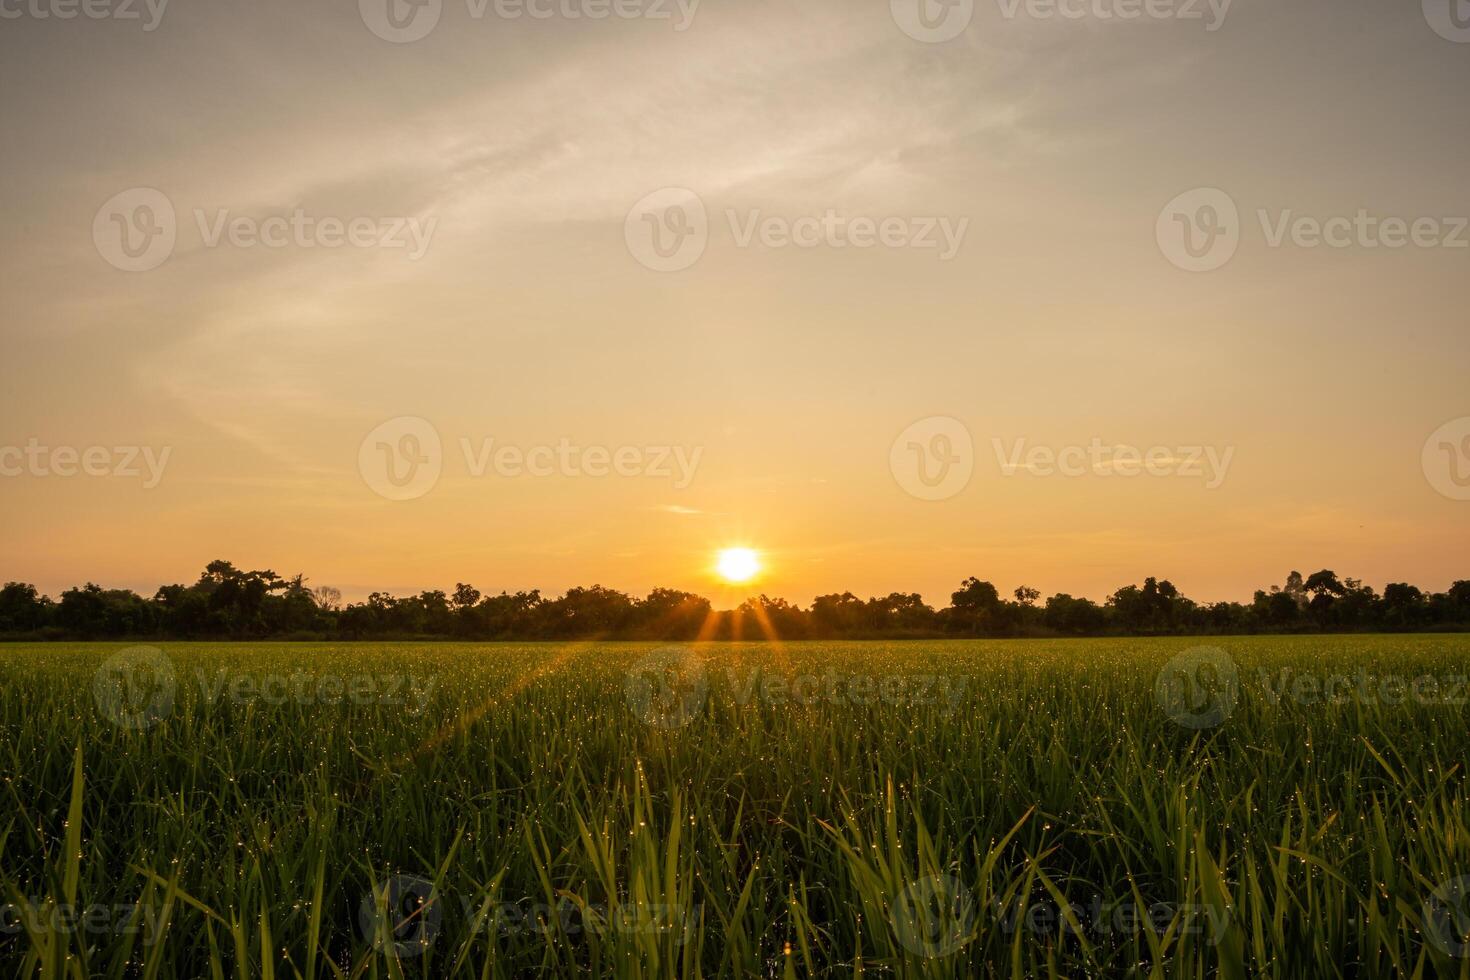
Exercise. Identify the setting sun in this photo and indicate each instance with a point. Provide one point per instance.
(738, 564)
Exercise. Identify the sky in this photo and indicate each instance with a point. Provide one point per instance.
(894, 295)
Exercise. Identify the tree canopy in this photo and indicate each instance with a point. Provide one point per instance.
(230, 603)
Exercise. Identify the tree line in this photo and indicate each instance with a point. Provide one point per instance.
(230, 603)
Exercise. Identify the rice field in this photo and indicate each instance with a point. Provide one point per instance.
(1283, 807)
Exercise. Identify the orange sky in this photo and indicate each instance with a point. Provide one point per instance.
(520, 149)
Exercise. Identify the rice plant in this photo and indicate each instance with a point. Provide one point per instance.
(951, 809)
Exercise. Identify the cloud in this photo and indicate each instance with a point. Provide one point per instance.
(677, 509)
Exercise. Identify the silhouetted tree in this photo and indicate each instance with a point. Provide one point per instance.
(671, 614)
(228, 601)
(22, 609)
(974, 606)
(839, 614)
(328, 598)
(1068, 615)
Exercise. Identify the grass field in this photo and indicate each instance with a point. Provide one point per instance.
(1285, 807)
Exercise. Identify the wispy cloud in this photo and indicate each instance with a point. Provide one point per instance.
(677, 509)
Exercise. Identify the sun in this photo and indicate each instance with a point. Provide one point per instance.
(737, 565)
